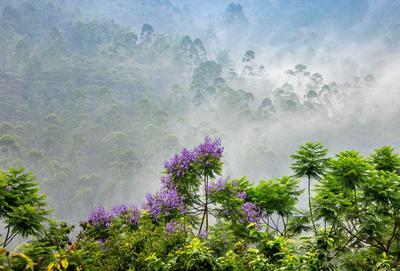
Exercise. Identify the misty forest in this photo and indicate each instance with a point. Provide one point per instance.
(184, 135)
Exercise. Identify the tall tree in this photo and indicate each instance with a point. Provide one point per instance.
(311, 162)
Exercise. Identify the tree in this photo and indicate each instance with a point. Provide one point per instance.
(185, 185)
(9, 143)
(311, 162)
(361, 203)
(249, 56)
(22, 209)
(147, 34)
(300, 68)
(277, 199)
(234, 14)
(386, 159)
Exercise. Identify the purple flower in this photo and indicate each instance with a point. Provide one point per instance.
(170, 227)
(242, 195)
(8, 188)
(134, 215)
(166, 202)
(99, 217)
(119, 210)
(209, 147)
(218, 186)
(166, 182)
(180, 163)
(252, 212)
(152, 205)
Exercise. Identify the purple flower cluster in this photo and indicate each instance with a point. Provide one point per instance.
(209, 147)
(222, 185)
(252, 212)
(134, 215)
(8, 188)
(170, 227)
(166, 202)
(166, 182)
(180, 163)
(217, 186)
(241, 195)
(119, 210)
(100, 217)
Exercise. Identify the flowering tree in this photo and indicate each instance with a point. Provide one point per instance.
(185, 183)
(190, 190)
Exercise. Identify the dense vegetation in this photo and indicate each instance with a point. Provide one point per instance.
(83, 105)
(94, 95)
(200, 221)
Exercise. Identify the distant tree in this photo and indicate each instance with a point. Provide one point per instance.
(234, 14)
(209, 70)
(127, 162)
(370, 79)
(9, 144)
(185, 44)
(266, 108)
(312, 94)
(55, 45)
(193, 53)
(300, 68)
(6, 128)
(317, 79)
(130, 40)
(53, 133)
(249, 56)
(201, 53)
(290, 72)
(147, 34)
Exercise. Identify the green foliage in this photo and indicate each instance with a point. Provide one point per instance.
(194, 256)
(53, 241)
(127, 248)
(276, 195)
(22, 208)
(386, 159)
(355, 204)
(361, 204)
(8, 260)
(350, 169)
(310, 161)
